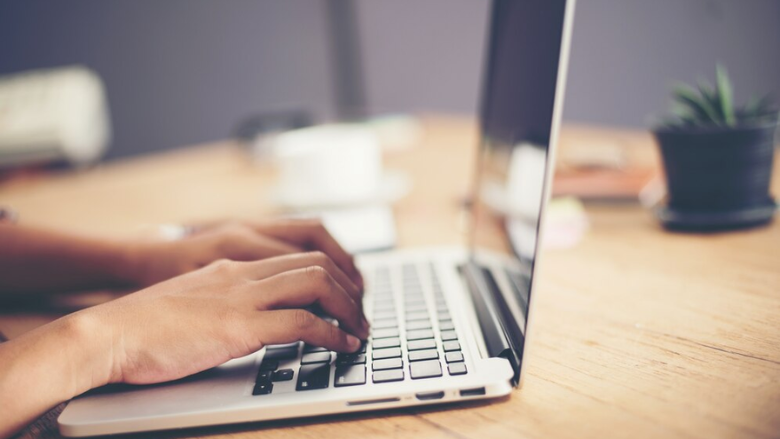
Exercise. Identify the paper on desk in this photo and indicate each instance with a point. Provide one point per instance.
(359, 229)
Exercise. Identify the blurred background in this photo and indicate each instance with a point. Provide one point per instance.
(181, 72)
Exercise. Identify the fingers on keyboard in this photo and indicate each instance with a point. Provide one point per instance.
(395, 355)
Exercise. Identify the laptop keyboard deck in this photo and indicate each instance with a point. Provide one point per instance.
(412, 337)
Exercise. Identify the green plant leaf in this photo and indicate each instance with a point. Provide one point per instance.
(752, 104)
(710, 95)
(757, 109)
(700, 107)
(726, 96)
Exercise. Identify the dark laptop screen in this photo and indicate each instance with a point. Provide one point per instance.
(516, 123)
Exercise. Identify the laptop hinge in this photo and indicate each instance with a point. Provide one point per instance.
(502, 336)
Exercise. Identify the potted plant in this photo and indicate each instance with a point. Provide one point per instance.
(717, 158)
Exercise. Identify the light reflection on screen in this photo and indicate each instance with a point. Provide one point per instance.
(516, 123)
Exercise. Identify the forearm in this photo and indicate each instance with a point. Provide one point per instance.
(41, 261)
(50, 365)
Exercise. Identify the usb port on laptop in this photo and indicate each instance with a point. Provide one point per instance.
(479, 391)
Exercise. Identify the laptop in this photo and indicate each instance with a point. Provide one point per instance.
(448, 324)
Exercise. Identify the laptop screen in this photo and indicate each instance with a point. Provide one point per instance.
(516, 126)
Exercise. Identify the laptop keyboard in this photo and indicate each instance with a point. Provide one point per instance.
(412, 338)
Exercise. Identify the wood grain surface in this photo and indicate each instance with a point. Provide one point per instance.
(641, 333)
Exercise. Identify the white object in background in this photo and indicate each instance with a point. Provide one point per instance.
(55, 114)
(519, 194)
(328, 165)
(332, 166)
(362, 229)
(396, 131)
(358, 229)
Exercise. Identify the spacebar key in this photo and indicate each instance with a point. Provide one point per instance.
(313, 376)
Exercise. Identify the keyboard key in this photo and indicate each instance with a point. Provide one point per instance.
(386, 343)
(294, 344)
(428, 354)
(350, 359)
(449, 335)
(410, 301)
(380, 315)
(417, 307)
(316, 357)
(457, 368)
(283, 375)
(444, 316)
(387, 376)
(380, 354)
(451, 346)
(309, 348)
(419, 324)
(287, 353)
(453, 357)
(446, 325)
(419, 334)
(413, 291)
(264, 375)
(384, 333)
(389, 363)
(269, 364)
(313, 376)
(350, 375)
(385, 323)
(419, 315)
(417, 345)
(384, 304)
(425, 369)
(263, 387)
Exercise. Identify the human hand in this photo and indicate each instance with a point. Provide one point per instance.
(223, 311)
(177, 328)
(155, 261)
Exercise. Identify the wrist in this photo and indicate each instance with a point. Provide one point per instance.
(86, 342)
(52, 364)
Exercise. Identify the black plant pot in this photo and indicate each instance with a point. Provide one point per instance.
(717, 178)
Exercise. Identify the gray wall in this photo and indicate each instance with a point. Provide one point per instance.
(185, 71)
(178, 71)
(626, 53)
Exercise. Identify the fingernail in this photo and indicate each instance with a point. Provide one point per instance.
(353, 342)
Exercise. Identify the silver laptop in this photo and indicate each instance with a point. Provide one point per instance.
(448, 324)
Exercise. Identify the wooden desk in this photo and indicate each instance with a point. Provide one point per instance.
(641, 332)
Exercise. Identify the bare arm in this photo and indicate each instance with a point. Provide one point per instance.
(36, 260)
(179, 327)
(40, 261)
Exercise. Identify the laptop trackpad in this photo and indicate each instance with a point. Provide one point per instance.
(216, 387)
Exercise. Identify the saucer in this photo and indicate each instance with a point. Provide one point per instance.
(393, 185)
(676, 219)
